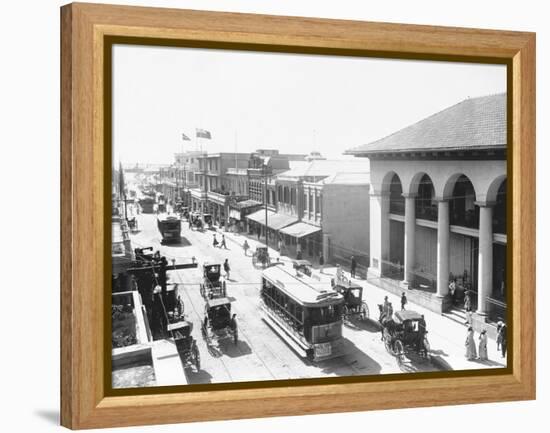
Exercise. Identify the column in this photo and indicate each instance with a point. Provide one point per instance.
(410, 228)
(443, 238)
(485, 257)
(379, 233)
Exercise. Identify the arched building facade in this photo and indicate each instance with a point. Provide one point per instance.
(438, 208)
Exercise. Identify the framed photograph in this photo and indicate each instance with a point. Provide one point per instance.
(267, 216)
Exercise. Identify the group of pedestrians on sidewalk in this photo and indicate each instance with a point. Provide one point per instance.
(481, 352)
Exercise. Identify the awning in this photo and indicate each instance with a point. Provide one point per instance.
(299, 230)
(245, 204)
(275, 221)
(259, 216)
(279, 220)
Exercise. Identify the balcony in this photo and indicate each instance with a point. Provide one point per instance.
(218, 196)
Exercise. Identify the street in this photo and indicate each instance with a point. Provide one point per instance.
(260, 353)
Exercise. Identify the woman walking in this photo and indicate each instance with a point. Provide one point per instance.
(471, 353)
(246, 247)
(483, 346)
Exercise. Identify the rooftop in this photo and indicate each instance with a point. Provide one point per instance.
(325, 167)
(476, 123)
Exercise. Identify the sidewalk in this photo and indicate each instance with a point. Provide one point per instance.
(446, 336)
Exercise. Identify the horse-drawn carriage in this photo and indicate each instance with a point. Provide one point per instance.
(218, 321)
(354, 306)
(185, 343)
(303, 266)
(404, 333)
(132, 224)
(261, 255)
(213, 285)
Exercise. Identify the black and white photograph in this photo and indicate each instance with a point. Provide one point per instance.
(280, 216)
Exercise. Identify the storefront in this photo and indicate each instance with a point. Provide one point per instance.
(238, 212)
(306, 235)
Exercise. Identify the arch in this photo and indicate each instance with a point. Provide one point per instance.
(425, 201)
(387, 180)
(494, 187)
(462, 200)
(395, 190)
(500, 200)
(450, 183)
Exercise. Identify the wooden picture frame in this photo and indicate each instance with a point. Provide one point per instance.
(85, 33)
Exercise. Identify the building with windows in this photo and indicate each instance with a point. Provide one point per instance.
(438, 208)
(295, 217)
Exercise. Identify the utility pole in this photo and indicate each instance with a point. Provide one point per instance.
(264, 167)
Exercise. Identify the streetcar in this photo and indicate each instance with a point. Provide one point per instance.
(169, 227)
(306, 313)
(147, 204)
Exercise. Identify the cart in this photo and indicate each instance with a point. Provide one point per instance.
(303, 266)
(261, 255)
(213, 285)
(354, 306)
(404, 333)
(185, 343)
(219, 323)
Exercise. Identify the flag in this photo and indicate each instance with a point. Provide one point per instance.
(185, 137)
(203, 133)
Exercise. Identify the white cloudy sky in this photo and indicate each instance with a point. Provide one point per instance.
(292, 102)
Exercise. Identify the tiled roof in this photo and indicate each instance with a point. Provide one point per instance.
(473, 123)
(347, 178)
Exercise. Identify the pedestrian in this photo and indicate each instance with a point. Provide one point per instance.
(483, 346)
(452, 291)
(467, 301)
(298, 251)
(246, 247)
(226, 268)
(386, 306)
(503, 339)
(403, 301)
(422, 334)
(321, 262)
(353, 266)
(471, 352)
(214, 240)
(390, 310)
(223, 243)
(340, 274)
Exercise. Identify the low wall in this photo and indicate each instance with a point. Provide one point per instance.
(131, 356)
(427, 300)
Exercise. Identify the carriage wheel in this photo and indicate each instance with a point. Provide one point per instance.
(345, 312)
(202, 290)
(399, 351)
(364, 311)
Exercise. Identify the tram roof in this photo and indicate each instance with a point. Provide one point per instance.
(305, 290)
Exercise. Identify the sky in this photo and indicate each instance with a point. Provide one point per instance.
(292, 102)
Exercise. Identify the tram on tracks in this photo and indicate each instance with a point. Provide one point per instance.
(306, 313)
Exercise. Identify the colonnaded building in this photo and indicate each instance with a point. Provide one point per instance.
(438, 208)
